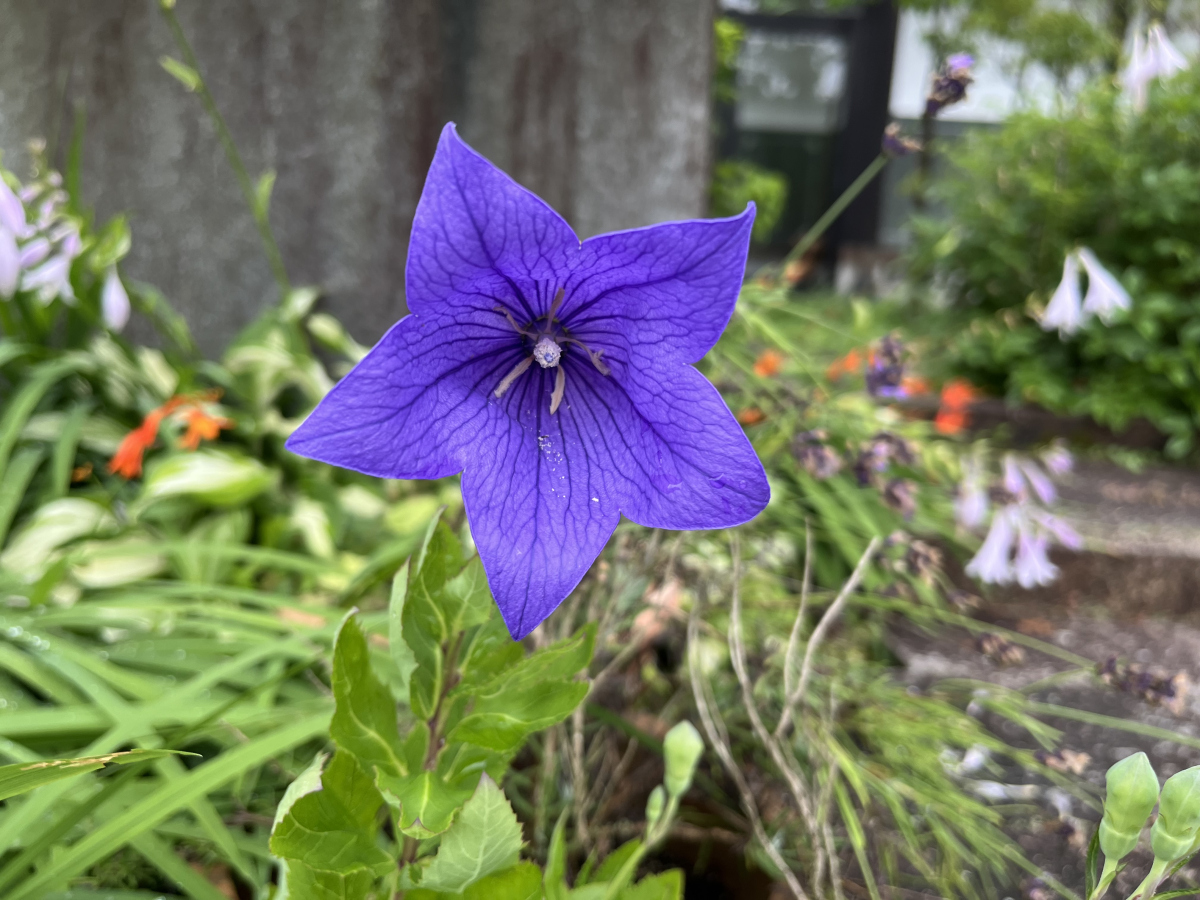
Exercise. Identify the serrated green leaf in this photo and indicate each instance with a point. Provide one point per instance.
(22, 777)
(484, 839)
(364, 718)
(307, 883)
(185, 74)
(426, 803)
(334, 829)
(503, 722)
(528, 696)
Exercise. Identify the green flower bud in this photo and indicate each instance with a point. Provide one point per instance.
(681, 750)
(1178, 820)
(654, 805)
(1132, 792)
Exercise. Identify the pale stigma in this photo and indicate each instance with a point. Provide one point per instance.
(547, 352)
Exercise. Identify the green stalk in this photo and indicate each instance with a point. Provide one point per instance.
(274, 258)
(654, 833)
(1150, 882)
(838, 207)
(1107, 874)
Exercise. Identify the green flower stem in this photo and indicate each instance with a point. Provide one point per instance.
(1107, 874)
(1149, 884)
(274, 258)
(838, 207)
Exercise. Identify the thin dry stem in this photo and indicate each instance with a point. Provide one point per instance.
(579, 779)
(714, 727)
(818, 635)
(791, 774)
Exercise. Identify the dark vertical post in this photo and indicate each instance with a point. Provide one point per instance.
(872, 48)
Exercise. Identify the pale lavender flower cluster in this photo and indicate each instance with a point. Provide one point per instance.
(1070, 309)
(885, 371)
(39, 241)
(1153, 56)
(1022, 529)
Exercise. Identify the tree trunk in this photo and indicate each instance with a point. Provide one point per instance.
(600, 106)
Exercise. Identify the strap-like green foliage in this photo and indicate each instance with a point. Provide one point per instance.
(22, 777)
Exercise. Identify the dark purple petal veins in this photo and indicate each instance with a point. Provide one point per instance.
(479, 239)
(555, 376)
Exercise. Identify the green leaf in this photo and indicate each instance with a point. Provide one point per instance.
(530, 696)
(112, 244)
(401, 653)
(334, 829)
(16, 481)
(484, 839)
(520, 882)
(1093, 858)
(364, 718)
(428, 620)
(22, 777)
(159, 804)
(612, 864)
(663, 886)
(262, 193)
(554, 880)
(215, 477)
(307, 883)
(426, 803)
(185, 74)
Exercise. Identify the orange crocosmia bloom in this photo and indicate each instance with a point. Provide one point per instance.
(201, 427)
(768, 364)
(953, 416)
(127, 461)
(846, 365)
(751, 415)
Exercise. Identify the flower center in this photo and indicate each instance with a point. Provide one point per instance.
(547, 352)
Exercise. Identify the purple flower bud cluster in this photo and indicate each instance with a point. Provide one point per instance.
(1155, 687)
(950, 83)
(1017, 544)
(885, 371)
(812, 451)
(895, 144)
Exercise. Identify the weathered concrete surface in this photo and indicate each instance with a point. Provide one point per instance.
(601, 105)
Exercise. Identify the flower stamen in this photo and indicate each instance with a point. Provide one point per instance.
(560, 386)
(517, 371)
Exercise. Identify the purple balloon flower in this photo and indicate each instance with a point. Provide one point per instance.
(555, 374)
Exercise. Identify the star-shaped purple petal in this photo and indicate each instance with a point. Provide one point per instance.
(555, 375)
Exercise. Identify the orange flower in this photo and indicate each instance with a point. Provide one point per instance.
(127, 461)
(768, 364)
(914, 385)
(846, 365)
(201, 427)
(751, 415)
(953, 416)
